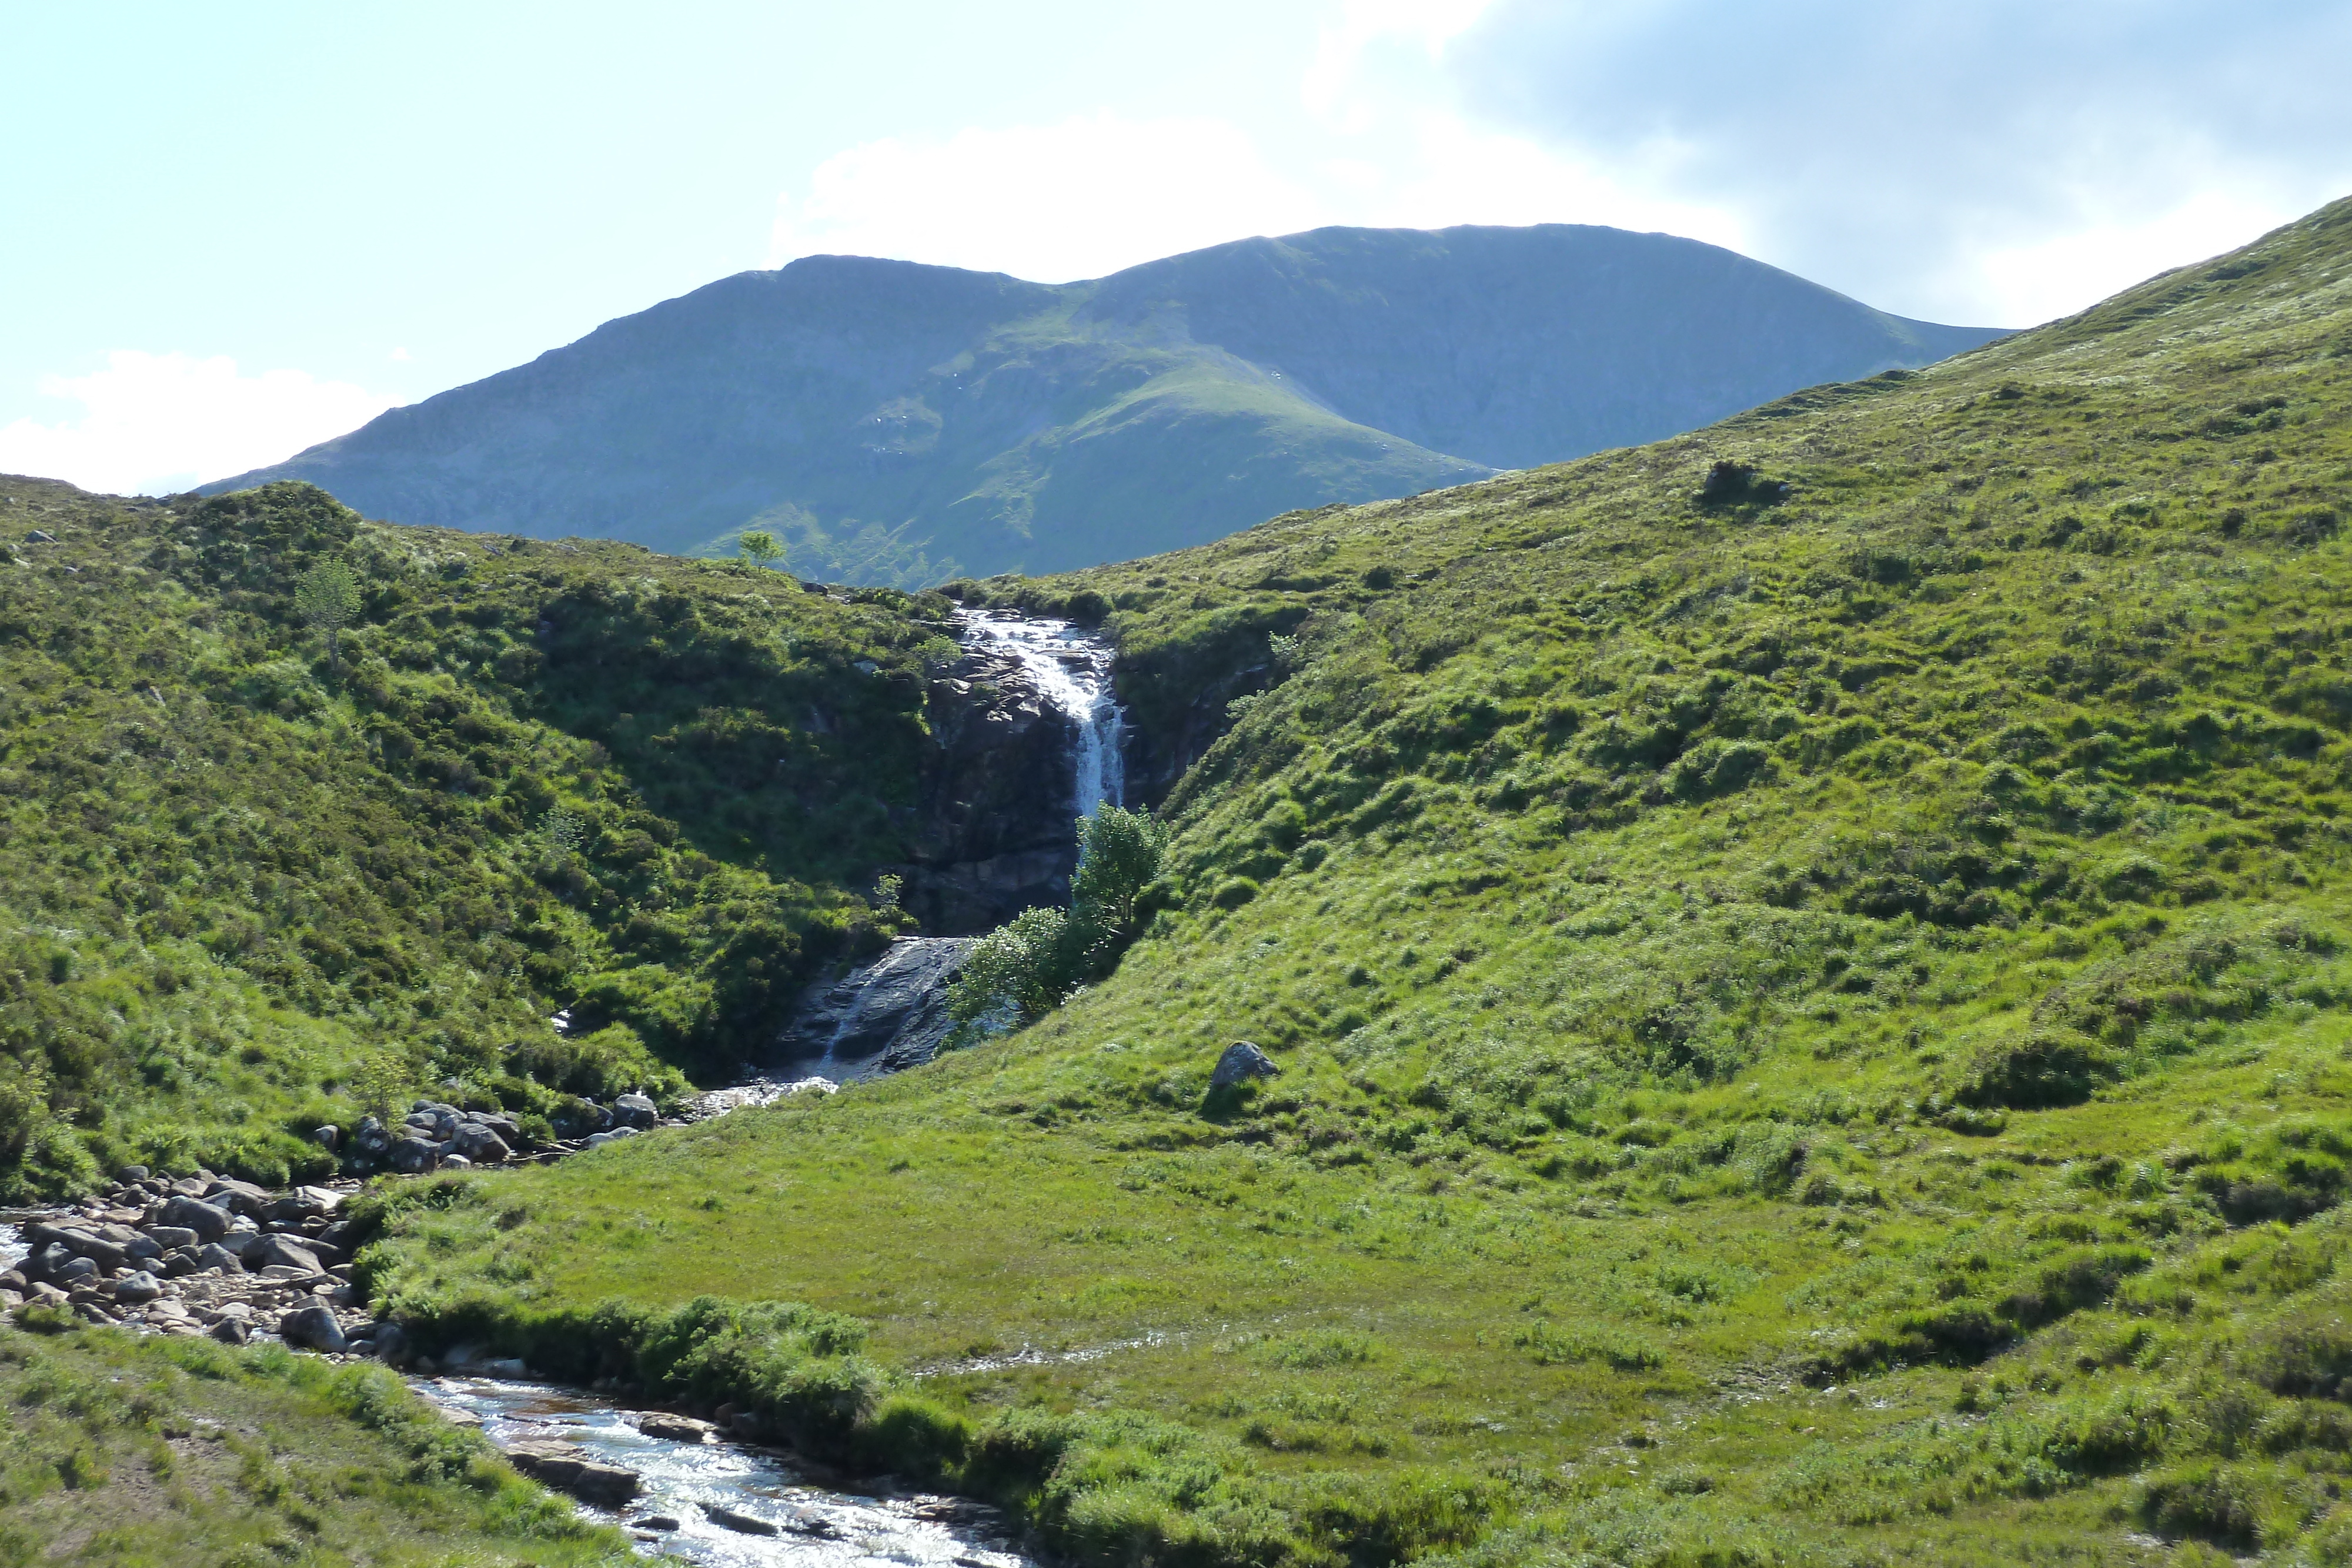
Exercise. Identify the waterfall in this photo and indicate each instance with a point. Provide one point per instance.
(1073, 670)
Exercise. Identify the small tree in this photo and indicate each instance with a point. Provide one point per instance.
(1020, 972)
(329, 597)
(760, 547)
(1119, 854)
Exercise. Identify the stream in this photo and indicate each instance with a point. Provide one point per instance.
(720, 1504)
(684, 1481)
(732, 1505)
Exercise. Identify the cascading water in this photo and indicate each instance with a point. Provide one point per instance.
(1073, 670)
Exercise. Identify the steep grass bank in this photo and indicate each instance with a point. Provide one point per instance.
(121, 1451)
(1808, 966)
(249, 885)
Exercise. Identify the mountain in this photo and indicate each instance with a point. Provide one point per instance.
(1810, 966)
(903, 423)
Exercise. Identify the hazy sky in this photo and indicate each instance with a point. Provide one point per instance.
(236, 231)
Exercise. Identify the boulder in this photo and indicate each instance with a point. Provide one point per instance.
(635, 1111)
(572, 1469)
(678, 1428)
(83, 1243)
(130, 1175)
(137, 1288)
(598, 1140)
(183, 1262)
(313, 1328)
(1242, 1062)
(287, 1252)
(171, 1237)
(241, 1196)
(75, 1271)
(293, 1209)
(742, 1523)
(327, 1137)
(209, 1223)
(231, 1330)
(391, 1344)
(480, 1145)
(371, 1140)
(414, 1156)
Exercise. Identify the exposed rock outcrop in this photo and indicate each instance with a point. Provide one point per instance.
(880, 1018)
(997, 802)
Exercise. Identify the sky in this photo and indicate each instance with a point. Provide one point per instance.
(236, 231)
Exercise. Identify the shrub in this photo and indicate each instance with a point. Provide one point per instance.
(1234, 892)
(2038, 1070)
(2216, 1501)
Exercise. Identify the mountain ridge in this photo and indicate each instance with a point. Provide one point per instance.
(902, 423)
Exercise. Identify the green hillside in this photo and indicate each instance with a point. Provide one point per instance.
(1808, 966)
(246, 889)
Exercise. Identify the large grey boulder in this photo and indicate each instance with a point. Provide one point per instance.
(171, 1237)
(213, 1258)
(414, 1156)
(480, 1145)
(371, 1140)
(209, 1223)
(572, 1469)
(241, 1196)
(678, 1428)
(1241, 1063)
(635, 1111)
(285, 1251)
(137, 1288)
(313, 1328)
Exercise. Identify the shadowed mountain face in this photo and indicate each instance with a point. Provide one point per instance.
(898, 423)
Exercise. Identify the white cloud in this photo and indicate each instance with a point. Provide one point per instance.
(1049, 203)
(1441, 170)
(2047, 279)
(153, 423)
(1997, 163)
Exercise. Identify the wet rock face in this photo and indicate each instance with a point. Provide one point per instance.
(882, 1017)
(997, 802)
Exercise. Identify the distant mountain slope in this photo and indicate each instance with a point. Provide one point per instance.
(902, 422)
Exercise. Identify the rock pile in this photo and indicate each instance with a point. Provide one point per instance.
(434, 1136)
(202, 1254)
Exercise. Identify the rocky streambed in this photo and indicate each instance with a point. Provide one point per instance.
(211, 1256)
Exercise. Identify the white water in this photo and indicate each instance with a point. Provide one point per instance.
(1074, 671)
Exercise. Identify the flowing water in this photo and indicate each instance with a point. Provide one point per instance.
(1072, 669)
(683, 1483)
(694, 1486)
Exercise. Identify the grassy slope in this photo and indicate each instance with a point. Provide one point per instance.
(236, 884)
(186, 1453)
(1812, 1032)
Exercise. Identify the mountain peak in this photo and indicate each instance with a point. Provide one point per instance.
(901, 421)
